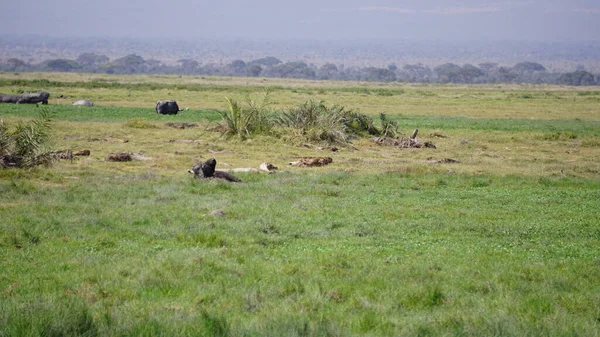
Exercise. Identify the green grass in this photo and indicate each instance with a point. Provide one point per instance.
(106, 113)
(379, 243)
(506, 101)
(313, 254)
(406, 122)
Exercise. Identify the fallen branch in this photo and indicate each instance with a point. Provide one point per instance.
(403, 142)
(443, 161)
(311, 161)
(264, 167)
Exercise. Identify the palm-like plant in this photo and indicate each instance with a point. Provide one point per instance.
(25, 146)
(244, 120)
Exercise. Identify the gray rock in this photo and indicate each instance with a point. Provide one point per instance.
(83, 102)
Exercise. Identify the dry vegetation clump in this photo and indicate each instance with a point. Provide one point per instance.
(404, 142)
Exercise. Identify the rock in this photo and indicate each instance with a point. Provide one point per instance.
(217, 212)
(83, 102)
(119, 157)
(182, 125)
(137, 156)
(82, 153)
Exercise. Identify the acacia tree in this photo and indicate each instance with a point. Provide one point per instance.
(88, 59)
(62, 65)
(579, 77)
(14, 63)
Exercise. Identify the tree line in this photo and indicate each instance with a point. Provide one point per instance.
(523, 72)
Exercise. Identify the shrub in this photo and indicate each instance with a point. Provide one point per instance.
(314, 121)
(26, 145)
(311, 121)
(388, 128)
(243, 121)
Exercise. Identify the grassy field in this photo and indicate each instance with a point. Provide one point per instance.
(382, 242)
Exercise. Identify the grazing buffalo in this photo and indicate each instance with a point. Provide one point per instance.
(83, 102)
(169, 107)
(26, 98)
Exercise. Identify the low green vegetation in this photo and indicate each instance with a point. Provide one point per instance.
(311, 122)
(383, 241)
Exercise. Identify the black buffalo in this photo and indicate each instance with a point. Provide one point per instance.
(167, 107)
(207, 169)
(26, 98)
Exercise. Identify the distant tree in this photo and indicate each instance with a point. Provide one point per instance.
(415, 73)
(253, 70)
(292, 70)
(268, 61)
(488, 66)
(188, 66)
(453, 73)
(378, 74)
(129, 64)
(14, 63)
(155, 66)
(61, 65)
(448, 72)
(131, 60)
(392, 67)
(470, 72)
(88, 59)
(506, 75)
(237, 67)
(154, 62)
(579, 77)
(523, 67)
(327, 71)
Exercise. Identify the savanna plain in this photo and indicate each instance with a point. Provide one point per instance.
(384, 241)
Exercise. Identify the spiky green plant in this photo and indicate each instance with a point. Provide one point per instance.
(389, 128)
(26, 146)
(303, 117)
(245, 120)
(314, 121)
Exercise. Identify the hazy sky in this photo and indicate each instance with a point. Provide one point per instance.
(321, 19)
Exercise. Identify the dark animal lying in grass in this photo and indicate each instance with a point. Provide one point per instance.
(167, 107)
(207, 170)
(26, 98)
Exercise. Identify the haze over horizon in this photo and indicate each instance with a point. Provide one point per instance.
(554, 20)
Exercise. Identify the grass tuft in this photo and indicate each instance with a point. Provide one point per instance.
(139, 123)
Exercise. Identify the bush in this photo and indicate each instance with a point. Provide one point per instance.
(26, 145)
(311, 121)
(314, 121)
(243, 121)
